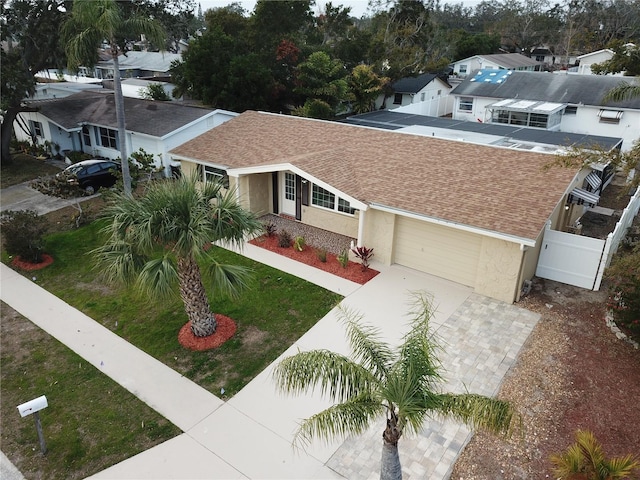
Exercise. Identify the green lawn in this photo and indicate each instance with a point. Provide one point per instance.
(271, 315)
(91, 422)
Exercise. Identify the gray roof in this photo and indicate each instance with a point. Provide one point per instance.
(414, 84)
(549, 87)
(149, 61)
(143, 116)
(393, 120)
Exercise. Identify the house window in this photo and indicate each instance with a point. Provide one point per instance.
(422, 95)
(86, 136)
(213, 174)
(539, 58)
(397, 99)
(538, 120)
(571, 110)
(36, 129)
(345, 207)
(323, 198)
(439, 92)
(289, 186)
(527, 119)
(108, 138)
(466, 104)
(610, 116)
(463, 69)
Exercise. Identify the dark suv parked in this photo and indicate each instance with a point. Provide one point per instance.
(90, 175)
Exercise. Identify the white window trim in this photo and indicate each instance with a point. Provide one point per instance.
(336, 202)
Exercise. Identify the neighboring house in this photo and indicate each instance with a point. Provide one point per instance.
(470, 213)
(134, 87)
(563, 103)
(46, 91)
(550, 60)
(86, 121)
(138, 65)
(599, 56)
(427, 92)
(502, 61)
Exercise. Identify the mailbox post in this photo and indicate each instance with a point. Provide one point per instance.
(33, 407)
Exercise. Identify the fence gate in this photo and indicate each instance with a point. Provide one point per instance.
(568, 258)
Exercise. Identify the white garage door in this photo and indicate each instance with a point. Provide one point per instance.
(441, 251)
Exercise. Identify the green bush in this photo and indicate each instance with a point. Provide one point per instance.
(321, 253)
(343, 258)
(624, 291)
(23, 233)
(299, 243)
(284, 239)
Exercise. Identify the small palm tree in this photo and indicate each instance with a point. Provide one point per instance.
(401, 384)
(158, 241)
(94, 21)
(585, 460)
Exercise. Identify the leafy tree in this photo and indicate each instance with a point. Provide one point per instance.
(585, 460)
(626, 58)
(176, 17)
(623, 276)
(158, 241)
(23, 232)
(377, 380)
(467, 45)
(230, 19)
(93, 22)
(30, 28)
(364, 88)
(155, 91)
(274, 21)
(249, 84)
(320, 77)
(333, 24)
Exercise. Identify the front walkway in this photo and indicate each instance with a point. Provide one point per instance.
(249, 436)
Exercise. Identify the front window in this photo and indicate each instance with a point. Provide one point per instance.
(36, 129)
(86, 136)
(322, 198)
(289, 186)
(466, 104)
(345, 207)
(108, 138)
(463, 69)
(213, 174)
(527, 119)
(397, 99)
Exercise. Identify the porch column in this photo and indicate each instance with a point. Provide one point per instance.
(361, 227)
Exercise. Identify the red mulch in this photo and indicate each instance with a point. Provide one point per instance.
(23, 265)
(225, 330)
(309, 256)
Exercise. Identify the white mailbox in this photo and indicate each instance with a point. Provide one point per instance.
(33, 406)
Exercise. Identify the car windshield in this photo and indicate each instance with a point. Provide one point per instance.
(73, 169)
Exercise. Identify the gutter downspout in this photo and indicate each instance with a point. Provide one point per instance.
(518, 292)
(360, 227)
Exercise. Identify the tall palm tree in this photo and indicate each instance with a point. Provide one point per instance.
(377, 380)
(623, 91)
(585, 460)
(157, 242)
(94, 21)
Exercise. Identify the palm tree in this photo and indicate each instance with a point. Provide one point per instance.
(94, 21)
(585, 460)
(377, 380)
(623, 91)
(157, 242)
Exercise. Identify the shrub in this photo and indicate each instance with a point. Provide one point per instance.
(299, 243)
(284, 239)
(624, 291)
(343, 258)
(270, 229)
(58, 186)
(321, 253)
(23, 231)
(364, 254)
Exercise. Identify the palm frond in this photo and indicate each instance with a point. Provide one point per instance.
(350, 417)
(366, 344)
(117, 261)
(229, 280)
(157, 279)
(478, 411)
(568, 463)
(334, 375)
(623, 91)
(622, 467)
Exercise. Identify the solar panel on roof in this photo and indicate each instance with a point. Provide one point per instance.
(491, 76)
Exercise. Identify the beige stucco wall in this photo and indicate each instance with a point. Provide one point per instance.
(379, 228)
(188, 168)
(332, 221)
(498, 269)
(258, 190)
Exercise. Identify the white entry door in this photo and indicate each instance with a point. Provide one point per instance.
(288, 193)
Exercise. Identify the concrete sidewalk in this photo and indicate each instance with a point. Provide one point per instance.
(250, 435)
(23, 197)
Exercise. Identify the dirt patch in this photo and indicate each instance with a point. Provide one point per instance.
(309, 256)
(573, 373)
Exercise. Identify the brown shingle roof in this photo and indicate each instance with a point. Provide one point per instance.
(495, 189)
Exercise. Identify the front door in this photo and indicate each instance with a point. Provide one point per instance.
(288, 193)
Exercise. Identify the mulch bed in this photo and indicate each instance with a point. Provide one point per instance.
(225, 330)
(309, 256)
(28, 266)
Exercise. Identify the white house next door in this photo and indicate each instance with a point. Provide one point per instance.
(288, 193)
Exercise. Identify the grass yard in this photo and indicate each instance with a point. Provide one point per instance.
(91, 422)
(23, 169)
(271, 315)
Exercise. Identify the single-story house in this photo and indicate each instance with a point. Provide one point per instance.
(585, 61)
(470, 213)
(138, 65)
(428, 90)
(86, 122)
(500, 61)
(564, 103)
